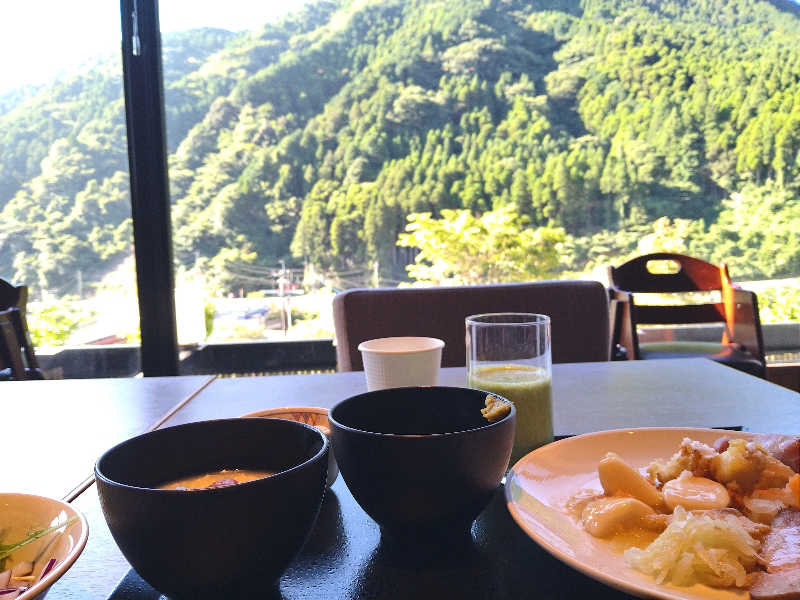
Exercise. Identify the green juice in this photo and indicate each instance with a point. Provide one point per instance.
(530, 391)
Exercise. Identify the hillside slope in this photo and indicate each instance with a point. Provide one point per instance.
(312, 139)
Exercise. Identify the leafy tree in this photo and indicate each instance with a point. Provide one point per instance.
(52, 324)
(780, 304)
(461, 249)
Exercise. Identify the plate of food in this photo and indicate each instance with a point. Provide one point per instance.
(667, 512)
(40, 539)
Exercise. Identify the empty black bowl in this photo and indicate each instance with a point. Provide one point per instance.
(220, 542)
(421, 461)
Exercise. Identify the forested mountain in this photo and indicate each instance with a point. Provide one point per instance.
(310, 140)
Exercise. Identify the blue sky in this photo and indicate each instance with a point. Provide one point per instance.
(41, 38)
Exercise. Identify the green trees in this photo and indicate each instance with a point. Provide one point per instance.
(64, 198)
(461, 249)
(52, 324)
(313, 139)
(757, 233)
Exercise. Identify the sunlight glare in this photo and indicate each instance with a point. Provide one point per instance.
(41, 39)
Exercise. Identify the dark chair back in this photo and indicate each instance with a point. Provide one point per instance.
(11, 295)
(17, 357)
(578, 312)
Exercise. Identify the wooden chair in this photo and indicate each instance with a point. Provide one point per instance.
(578, 312)
(17, 357)
(741, 345)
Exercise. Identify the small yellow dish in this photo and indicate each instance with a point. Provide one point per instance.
(22, 514)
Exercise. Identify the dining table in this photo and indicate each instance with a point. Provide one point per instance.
(54, 431)
(345, 556)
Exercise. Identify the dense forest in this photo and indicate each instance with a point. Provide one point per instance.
(311, 140)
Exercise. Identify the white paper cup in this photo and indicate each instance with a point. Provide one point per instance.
(401, 361)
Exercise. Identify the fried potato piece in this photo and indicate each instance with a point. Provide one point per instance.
(747, 466)
(692, 456)
(496, 408)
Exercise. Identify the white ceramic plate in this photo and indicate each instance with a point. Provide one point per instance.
(540, 484)
(22, 513)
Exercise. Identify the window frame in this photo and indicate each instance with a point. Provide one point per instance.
(149, 183)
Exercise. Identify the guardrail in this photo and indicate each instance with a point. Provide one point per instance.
(122, 360)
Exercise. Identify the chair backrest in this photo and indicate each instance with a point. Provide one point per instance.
(11, 365)
(737, 309)
(692, 275)
(11, 295)
(743, 322)
(17, 356)
(578, 312)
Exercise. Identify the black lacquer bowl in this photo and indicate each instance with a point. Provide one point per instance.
(421, 461)
(225, 542)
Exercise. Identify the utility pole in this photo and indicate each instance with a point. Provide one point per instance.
(286, 314)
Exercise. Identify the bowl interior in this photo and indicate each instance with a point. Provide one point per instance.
(413, 411)
(21, 514)
(272, 445)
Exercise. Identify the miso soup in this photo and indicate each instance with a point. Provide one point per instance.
(217, 479)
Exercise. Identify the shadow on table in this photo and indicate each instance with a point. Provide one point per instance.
(497, 562)
(346, 559)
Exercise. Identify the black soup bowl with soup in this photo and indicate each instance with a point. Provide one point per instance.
(245, 494)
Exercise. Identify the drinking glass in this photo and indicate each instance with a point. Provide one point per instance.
(508, 354)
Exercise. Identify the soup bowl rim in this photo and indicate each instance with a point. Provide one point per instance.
(220, 490)
(441, 434)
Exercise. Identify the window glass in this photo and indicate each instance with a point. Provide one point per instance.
(237, 279)
(345, 144)
(65, 226)
(315, 146)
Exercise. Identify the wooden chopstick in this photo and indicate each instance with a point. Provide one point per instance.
(86, 483)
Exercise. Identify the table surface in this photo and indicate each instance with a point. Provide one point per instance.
(65, 425)
(586, 396)
(72, 422)
(345, 558)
